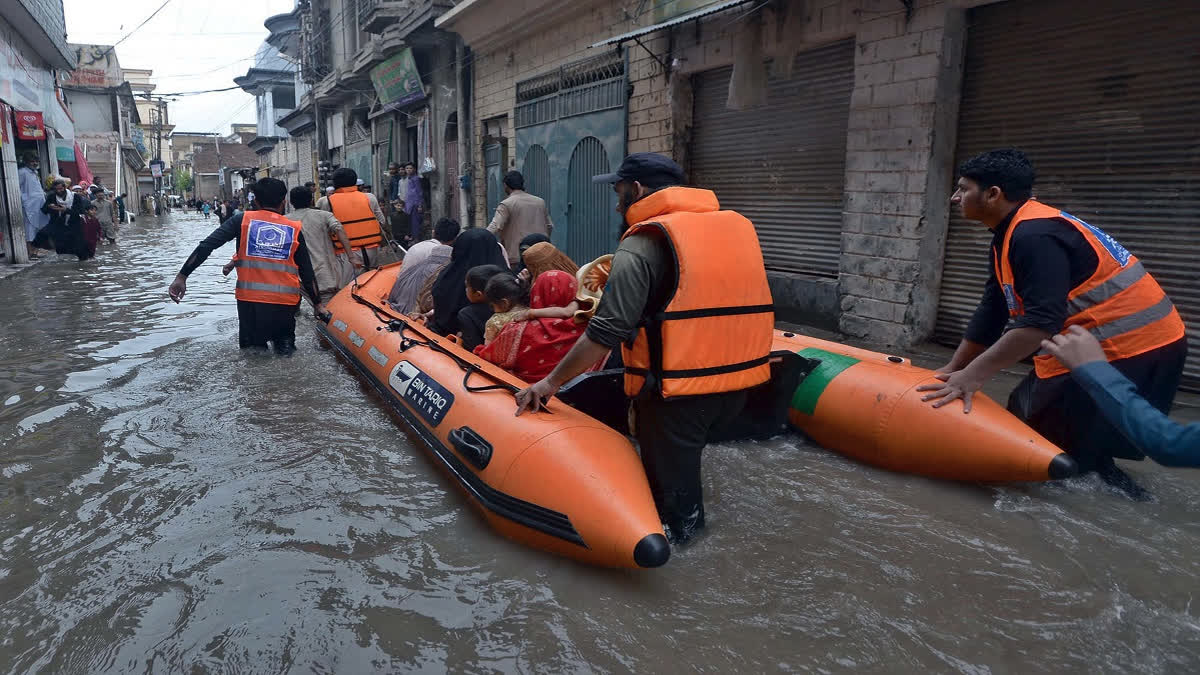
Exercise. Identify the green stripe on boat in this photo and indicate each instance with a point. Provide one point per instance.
(810, 390)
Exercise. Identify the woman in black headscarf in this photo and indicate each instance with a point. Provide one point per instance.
(475, 246)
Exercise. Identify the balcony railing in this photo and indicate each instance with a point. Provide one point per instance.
(374, 16)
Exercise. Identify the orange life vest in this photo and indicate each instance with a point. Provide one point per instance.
(266, 259)
(1121, 304)
(714, 333)
(352, 208)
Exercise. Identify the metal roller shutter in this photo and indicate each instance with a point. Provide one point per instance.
(1105, 103)
(783, 165)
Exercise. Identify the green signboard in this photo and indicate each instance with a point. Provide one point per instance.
(397, 81)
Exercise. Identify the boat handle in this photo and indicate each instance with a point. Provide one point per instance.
(472, 446)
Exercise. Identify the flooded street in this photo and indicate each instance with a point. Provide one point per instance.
(169, 504)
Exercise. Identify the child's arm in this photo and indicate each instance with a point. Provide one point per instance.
(554, 312)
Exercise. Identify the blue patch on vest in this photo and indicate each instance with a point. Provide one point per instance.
(269, 240)
(1114, 248)
(1010, 296)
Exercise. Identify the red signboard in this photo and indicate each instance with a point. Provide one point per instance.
(30, 126)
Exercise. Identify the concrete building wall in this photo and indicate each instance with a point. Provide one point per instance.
(92, 112)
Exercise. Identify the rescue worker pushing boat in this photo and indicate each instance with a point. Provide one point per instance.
(1051, 271)
(694, 330)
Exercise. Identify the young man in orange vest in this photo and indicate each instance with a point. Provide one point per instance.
(273, 265)
(359, 214)
(688, 304)
(1051, 271)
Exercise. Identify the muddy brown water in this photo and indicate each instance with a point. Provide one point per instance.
(169, 504)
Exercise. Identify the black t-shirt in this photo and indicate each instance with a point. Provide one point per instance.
(1049, 257)
(472, 320)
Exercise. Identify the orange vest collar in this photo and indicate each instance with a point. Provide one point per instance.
(352, 188)
(672, 200)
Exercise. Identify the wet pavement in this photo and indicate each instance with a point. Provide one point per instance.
(169, 504)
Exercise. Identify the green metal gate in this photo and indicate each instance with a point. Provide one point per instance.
(493, 164)
(536, 168)
(591, 218)
(575, 117)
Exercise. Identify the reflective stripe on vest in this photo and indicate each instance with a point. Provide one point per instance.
(264, 265)
(291, 291)
(1121, 304)
(714, 335)
(353, 210)
(266, 260)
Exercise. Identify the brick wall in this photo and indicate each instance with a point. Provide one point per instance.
(497, 71)
(899, 151)
(899, 146)
(49, 15)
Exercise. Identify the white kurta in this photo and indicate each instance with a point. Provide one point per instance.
(32, 199)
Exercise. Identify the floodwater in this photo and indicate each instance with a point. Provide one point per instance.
(168, 504)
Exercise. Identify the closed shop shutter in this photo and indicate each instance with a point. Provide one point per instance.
(1105, 104)
(782, 165)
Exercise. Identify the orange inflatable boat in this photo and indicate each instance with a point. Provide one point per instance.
(558, 480)
(865, 405)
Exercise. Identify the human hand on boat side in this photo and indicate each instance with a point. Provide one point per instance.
(178, 288)
(534, 398)
(958, 384)
(1076, 348)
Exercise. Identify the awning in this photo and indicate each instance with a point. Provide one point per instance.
(704, 11)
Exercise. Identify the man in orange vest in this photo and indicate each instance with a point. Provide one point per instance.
(273, 265)
(1051, 271)
(359, 214)
(687, 302)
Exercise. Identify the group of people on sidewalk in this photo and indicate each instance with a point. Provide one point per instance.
(70, 220)
(694, 333)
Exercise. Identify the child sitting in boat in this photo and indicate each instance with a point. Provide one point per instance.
(530, 347)
(509, 299)
(472, 319)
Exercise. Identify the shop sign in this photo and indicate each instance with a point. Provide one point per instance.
(65, 151)
(30, 126)
(156, 168)
(397, 81)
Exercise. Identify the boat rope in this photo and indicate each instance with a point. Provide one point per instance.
(396, 325)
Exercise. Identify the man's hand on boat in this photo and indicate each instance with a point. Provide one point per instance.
(954, 385)
(535, 397)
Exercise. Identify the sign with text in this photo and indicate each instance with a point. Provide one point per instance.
(156, 168)
(397, 81)
(30, 126)
(426, 396)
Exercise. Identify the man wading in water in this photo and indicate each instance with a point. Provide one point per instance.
(694, 330)
(273, 269)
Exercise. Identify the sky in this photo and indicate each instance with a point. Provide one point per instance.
(191, 45)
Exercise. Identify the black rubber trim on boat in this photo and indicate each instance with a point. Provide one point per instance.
(652, 551)
(517, 510)
(1062, 466)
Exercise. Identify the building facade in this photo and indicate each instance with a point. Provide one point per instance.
(379, 83)
(836, 126)
(107, 121)
(33, 115)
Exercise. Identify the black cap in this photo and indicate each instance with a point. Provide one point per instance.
(648, 168)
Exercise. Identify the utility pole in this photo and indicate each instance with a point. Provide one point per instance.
(156, 117)
(220, 169)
